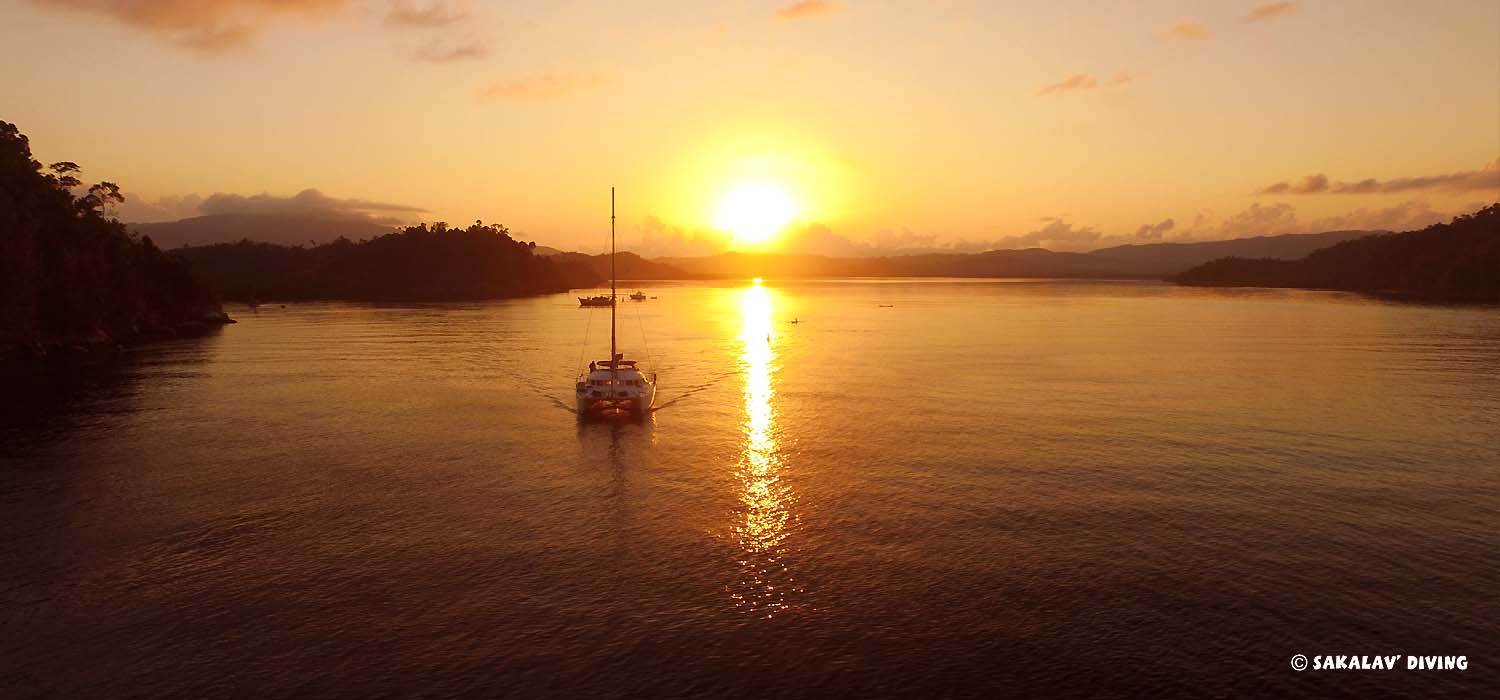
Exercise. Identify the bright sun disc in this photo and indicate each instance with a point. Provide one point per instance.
(755, 213)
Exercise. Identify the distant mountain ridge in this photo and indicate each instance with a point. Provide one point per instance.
(1149, 261)
(282, 229)
(1136, 261)
(1167, 259)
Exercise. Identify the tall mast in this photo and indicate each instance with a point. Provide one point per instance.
(614, 359)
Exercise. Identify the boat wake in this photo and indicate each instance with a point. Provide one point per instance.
(696, 389)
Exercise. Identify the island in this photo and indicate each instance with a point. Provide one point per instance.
(1457, 261)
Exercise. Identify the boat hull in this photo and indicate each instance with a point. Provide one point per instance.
(636, 403)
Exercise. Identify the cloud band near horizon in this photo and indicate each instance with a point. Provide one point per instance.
(1486, 178)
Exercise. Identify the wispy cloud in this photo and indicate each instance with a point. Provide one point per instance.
(438, 52)
(1309, 184)
(1072, 83)
(1281, 217)
(1486, 178)
(207, 26)
(439, 13)
(1189, 31)
(547, 86)
(804, 9)
(1082, 81)
(1270, 10)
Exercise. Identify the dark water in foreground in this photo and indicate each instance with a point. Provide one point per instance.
(987, 488)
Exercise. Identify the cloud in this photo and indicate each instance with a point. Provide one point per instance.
(1405, 216)
(208, 26)
(804, 9)
(1260, 220)
(1485, 179)
(1270, 10)
(1308, 185)
(1055, 235)
(1154, 232)
(547, 86)
(1082, 81)
(661, 240)
(1072, 83)
(1189, 31)
(308, 202)
(407, 14)
(139, 210)
(1279, 218)
(438, 52)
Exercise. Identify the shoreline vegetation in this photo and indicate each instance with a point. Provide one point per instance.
(1454, 262)
(72, 279)
(417, 264)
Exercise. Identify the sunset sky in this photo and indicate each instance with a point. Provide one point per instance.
(868, 126)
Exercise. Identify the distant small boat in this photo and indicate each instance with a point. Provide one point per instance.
(638, 296)
(887, 306)
(793, 321)
(601, 300)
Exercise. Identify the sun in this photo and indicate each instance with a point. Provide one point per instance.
(755, 212)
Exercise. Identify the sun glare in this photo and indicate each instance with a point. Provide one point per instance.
(755, 213)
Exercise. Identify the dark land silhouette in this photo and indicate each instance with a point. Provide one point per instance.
(71, 277)
(1456, 261)
(629, 266)
(1143, 261)
(418, 263)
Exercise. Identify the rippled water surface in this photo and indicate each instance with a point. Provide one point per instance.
(922, 487)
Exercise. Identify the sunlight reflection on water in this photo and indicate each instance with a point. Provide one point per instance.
(765, 517)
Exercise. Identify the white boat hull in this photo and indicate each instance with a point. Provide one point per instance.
(603, 393)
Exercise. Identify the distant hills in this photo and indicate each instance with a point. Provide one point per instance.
(1168, 259)
(284, 229)
(1457, 261)
(313, 256)
(1157, 260)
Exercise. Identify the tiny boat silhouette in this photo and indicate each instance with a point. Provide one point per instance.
(601, 300)
(793, 321)
(638, 296)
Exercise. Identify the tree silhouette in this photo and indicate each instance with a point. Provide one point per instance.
(69, 275)
(1457, 261)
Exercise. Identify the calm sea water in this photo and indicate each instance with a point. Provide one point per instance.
(998, 487)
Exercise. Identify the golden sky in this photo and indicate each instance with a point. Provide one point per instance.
(865, 126)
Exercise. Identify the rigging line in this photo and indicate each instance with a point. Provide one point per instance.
(644, 345)
(585, 346)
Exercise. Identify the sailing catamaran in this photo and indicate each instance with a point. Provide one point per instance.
(614, 387)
